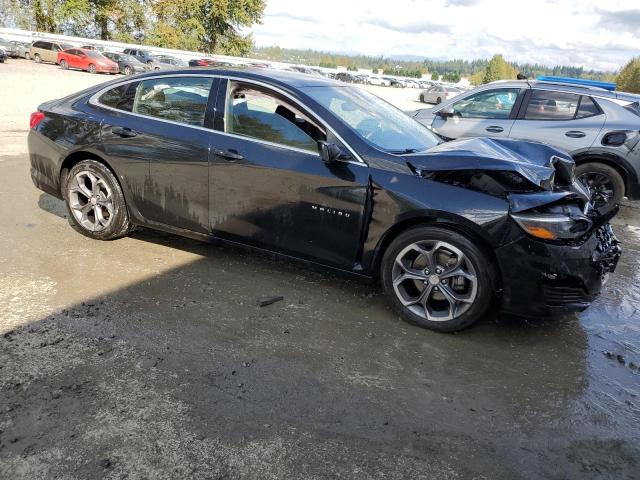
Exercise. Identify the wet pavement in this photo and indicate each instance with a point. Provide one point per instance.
(150, 357)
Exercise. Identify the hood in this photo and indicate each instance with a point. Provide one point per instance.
(527, 174)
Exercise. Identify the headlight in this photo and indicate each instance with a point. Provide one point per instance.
(549, 226)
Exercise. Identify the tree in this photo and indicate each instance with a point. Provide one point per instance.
(451, 77)
(499, 69)
(435, 76)
(478, 77)
(628, 80)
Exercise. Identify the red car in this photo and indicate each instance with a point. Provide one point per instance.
(84, 59)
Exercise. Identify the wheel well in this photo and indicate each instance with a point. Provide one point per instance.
(609, 161)
(405, 225)
(77, 157)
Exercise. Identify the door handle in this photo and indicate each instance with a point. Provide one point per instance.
(123, 132)
(494, 129)
(229, 155)
(575, 134)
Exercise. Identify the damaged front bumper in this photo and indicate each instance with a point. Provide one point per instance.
(545, 279)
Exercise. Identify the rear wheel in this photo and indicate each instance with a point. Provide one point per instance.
(605, 184)
(421, 98)
(95, 202)
(64, 65)
(127, 70)
(437, 278)
(92, 68)
(438, 101)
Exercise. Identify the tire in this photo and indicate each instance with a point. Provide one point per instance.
(421, 98)
(64, 65)
(150, 63)
(127, 70)
(92, 68)
(156, 68)
(27, 56)
(475, 291)
(37, 58)
(605, 184)
(108, 223)
(438, 101)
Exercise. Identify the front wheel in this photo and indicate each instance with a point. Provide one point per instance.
(64, 65)
(37, 58)
(127, 70)
(437, 278)
(605, 184)
(438, 101)
(95, 202)
(421, 98)
(92, 68)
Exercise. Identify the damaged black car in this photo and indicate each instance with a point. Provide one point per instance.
(321, 171)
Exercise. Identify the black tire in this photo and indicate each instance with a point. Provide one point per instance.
(485, 276)
(438, 101)
(119, 225)
(615, 181)
(421, 98)
(27, 56)
(92, 68)
(64, 65)
(37, 58)
(127, 70)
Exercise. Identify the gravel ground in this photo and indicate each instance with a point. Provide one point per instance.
(150, 357)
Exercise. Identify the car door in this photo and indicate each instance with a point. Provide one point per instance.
(270, 188)
(74, 58)
(488, 113)
(163, 122)
(568, 121)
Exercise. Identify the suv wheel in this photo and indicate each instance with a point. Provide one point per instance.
(37, 58)
(437, 278)
(604, 182)
(95, 202)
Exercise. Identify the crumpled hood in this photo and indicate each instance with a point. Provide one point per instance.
(536, 162)
(526, 174)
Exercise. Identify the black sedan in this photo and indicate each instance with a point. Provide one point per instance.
(128, 64)
(325, 172)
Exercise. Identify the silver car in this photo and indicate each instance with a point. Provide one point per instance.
(438, 94)
(598, 128)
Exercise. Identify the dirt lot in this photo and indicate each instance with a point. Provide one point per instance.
(148, 357)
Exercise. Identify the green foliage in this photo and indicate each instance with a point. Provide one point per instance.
(435, 76)
(499, 69)
(478, 77)
(352, 68)
(628, 80)
(451, 77)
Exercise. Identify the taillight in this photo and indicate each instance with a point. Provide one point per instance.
(36, 118)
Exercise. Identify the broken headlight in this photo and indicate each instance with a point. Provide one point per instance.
(553, 226)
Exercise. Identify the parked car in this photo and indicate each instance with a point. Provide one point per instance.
(142, 55)
(378, 80)
(3, 56)
(47, 51)
(310, 168)
(438, 93)
(411, 83)
(395, 82)
(126, 63)
(22, 49)
(90, 61)
(201, 62)
(599, 129)
(166, 61)
(8, 48)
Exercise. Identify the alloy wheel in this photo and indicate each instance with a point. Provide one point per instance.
(434, 280)
(127, 70)
(91, 201)
(600, 187)
(92, 68)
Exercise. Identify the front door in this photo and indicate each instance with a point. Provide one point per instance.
(269, 186)
(490, 113)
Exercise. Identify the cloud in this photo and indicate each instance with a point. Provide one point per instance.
(549, 32)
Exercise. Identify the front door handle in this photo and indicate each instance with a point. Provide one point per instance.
(123, 132)
(575, 134)
(494, 129)
(229, 155)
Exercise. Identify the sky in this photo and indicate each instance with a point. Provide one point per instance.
(601, 35)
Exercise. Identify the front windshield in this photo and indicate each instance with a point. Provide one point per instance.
(375, 120)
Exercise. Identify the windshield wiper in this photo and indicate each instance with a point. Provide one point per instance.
(404, 152)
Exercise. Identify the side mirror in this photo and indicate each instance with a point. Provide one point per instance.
(446, 112)
(329, 152)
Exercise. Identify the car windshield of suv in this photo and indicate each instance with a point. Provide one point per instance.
(375, 120)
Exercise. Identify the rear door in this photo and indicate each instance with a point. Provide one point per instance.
(568, 121)
(270, 188)
(489, 113)
(159, 126)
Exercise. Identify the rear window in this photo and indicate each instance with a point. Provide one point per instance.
(120, 97)
(633, 108)
(587, 108)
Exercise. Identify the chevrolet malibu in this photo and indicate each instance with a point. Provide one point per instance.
(327, 173)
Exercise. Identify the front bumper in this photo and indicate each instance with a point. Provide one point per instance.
(542, 279)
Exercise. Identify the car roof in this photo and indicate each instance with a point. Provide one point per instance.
(565, 87)
(277, 77)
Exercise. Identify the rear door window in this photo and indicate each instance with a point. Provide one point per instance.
(179, 99)
(587, 108)
(548, 105)
(120, 97)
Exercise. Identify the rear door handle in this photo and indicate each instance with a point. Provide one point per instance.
(123, 132)
(494, 129)
(575, 134)
(229, 155)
